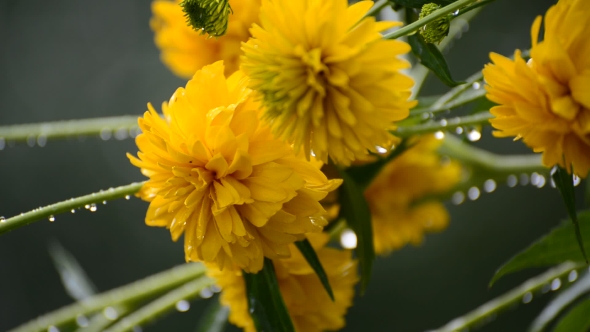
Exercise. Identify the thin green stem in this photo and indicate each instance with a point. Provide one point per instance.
(450, 99)
(162, 304)
(377, 7)
(132, 293)
(509, 299)
(126, 124)
(99, 322)
(443, 125)
(50, 211)
(408, 29)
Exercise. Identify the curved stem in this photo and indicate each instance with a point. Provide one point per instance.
(445, 124)
(48, 211)
(71, 128)
(162, 304)
(408, 29)
(377, 7)
(508, 299)
(137, 291)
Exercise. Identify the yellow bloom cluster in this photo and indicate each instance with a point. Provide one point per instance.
(219, 176)
(329, 83)
(546, 101)
(185, 51)
(309, 306)
(395, 196)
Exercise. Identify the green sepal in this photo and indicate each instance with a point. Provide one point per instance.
(207, 16)
(431, 57)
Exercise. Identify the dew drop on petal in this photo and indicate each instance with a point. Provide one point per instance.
(381, 149)
(511, 181)
(348, 239)
(458, 198)
(489, 186)
(527, 297)
(183, 305)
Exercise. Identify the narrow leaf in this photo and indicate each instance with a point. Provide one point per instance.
(312, 259)
(265, 301)
(431, 57)
(576, 320)
(354, 208)
(565, 183)
(420, 3)
(556, 247)
(74, 279)
(214, 319)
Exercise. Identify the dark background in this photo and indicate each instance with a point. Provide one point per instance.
(64, 59)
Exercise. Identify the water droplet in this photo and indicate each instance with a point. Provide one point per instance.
(473, 193)
(121, 134)
(473, 135)
(73, 210)
(456, 12)
(93, 207)
(137, 329)
(3, 219)
(524, 179)
(87, 206)
(205, 293)
(105, 134)
(439, 135)
(41, 140)
(555, 284)
(577, 181)
(381, 149)
(183, 305)
(541, 181)
(458, 198)
(546, 288)
(535, 178)
(459, 130)
(426, 116)
(104, 202)
(82, 321)
(489, 186)
(127, 197)
(133, 132)
(52, 328)
(552, 183)
(2, 143)
(348, 239)
(110, 313)
(443, 122)
(572, 276)
(51, 218)
(527, 297)
(216, 288)
(511, 181)
(476, 85)
(31, 140)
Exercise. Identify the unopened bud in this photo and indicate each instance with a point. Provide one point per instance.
(207, 16)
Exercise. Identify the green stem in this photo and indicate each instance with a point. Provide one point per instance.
(509, 299)
(162, 304)
(99, 322)
(132, 293)
(443, 125)
(408, 29)
(377, 7)
(50, 211)
(449, 100)
(69, 128)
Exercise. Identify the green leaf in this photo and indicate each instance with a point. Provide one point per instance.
(265, 301)
(77, 284)
(354, 208)
(587, 193)
(556, 247)
(312, 259)
(576, 320)
(565, 183)
(420, 3)
(431, 57)
(214, 319)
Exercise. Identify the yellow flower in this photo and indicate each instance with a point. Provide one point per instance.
(308, 303)
(546, 101)
(185, 51)
(219, 176)
(329, 83)
(394, 196)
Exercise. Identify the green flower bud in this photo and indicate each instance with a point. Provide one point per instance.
(436, 30)
(207, 16)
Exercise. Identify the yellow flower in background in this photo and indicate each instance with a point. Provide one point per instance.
(394, 196)
(546, 101)
(329, 83)
(220, 177)
(308, 303)
(185, 51)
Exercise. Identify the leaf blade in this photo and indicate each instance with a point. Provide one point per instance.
(431, 57)
(312, 259)
(576, 320)
(265, 302)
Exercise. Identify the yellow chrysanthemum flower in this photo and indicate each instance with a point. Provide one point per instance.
(308, 303)
(220, 177)
(546, 101)
(185, 51)
(329, 83)
(394, 196)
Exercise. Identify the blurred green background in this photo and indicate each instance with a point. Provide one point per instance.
(79, 59)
